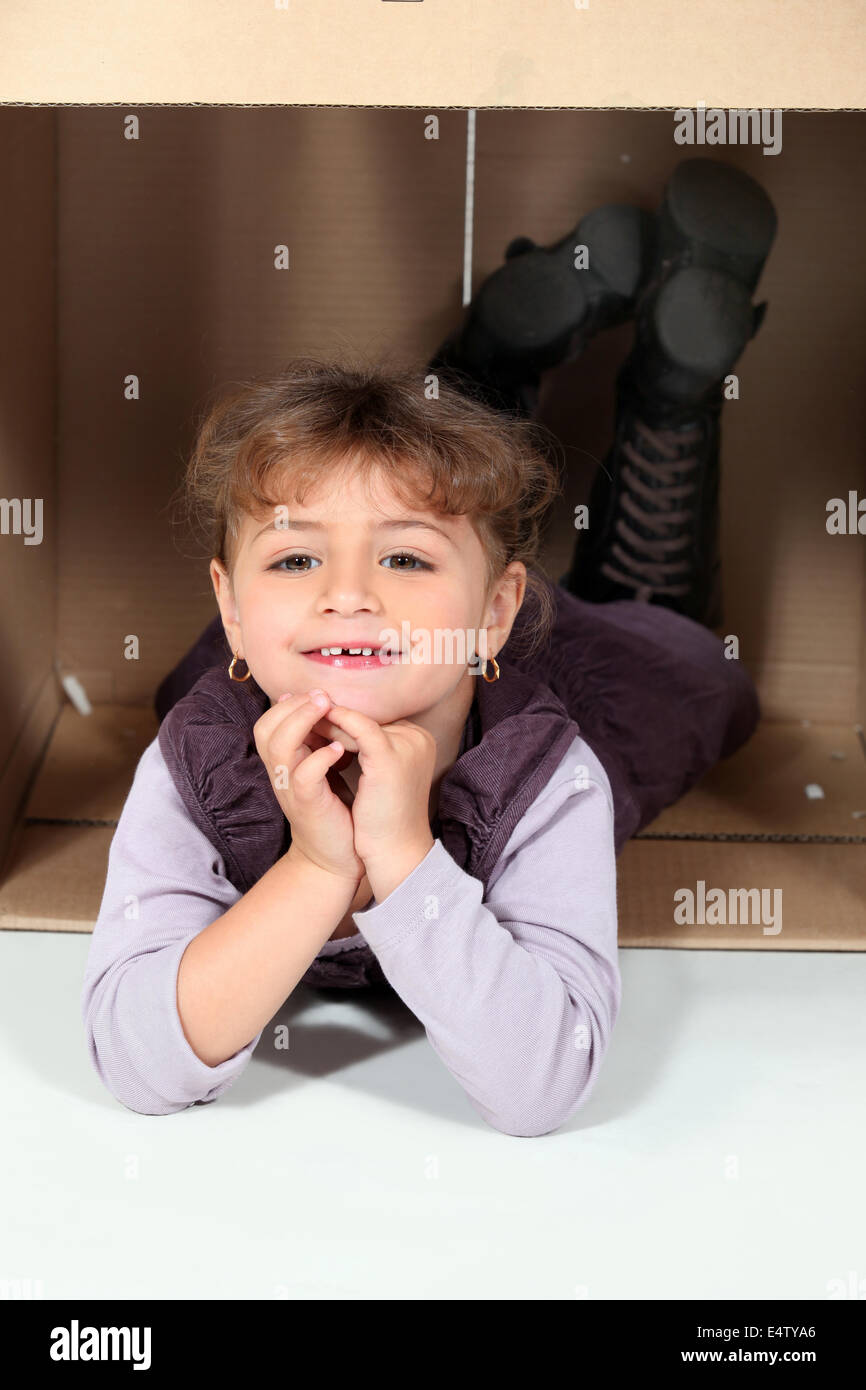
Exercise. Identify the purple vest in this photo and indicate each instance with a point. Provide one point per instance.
(516, 734)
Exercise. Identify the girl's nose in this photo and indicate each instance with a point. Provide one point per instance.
(350, 586)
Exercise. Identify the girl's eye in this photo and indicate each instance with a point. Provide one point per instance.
(401, 555)
(407, 555)
(279, 563)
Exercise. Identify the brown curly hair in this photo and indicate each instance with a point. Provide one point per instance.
(450, 453)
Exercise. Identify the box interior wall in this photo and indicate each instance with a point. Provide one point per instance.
(155, 258)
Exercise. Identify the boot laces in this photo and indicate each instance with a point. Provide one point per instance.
(642, 569)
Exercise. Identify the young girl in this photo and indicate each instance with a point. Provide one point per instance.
(400, 756)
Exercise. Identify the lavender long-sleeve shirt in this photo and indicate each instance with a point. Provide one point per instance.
(518, 991)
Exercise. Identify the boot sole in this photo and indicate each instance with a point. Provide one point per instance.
(539, 305)
(619, 238)
(714, 215)
(702, 320)
(527, 306)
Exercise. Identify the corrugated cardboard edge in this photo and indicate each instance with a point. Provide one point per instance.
(484, 53)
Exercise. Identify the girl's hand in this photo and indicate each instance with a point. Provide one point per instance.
(392, 802)
(316, 807)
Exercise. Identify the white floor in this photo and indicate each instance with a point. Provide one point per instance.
(720, 1156)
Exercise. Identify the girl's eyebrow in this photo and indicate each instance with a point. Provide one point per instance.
(393, 523)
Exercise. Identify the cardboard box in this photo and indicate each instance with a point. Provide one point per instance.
(154, 257)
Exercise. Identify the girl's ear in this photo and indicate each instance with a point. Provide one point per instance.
(505, 604)
(218, 576)
(226, 601)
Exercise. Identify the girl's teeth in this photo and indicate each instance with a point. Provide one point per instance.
(351, 651)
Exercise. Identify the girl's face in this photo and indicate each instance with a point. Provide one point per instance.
(354, 567)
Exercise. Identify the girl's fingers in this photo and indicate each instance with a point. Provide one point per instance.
(309, 776)
(277, 715)
(283, 738)
(277, 712)
(315, 741)
(332, 730)
(364, 730)
(294, 717)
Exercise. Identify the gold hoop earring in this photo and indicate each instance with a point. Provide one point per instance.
(491, 679)
(232, 669)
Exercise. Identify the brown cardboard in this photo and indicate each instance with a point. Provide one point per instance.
(771, 789)
(822, 888)
(29, 694)
(437, 53)
(164, 269)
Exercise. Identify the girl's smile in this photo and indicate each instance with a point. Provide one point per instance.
(346, 661)
(360, 654)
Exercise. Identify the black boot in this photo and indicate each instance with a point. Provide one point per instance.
(714, 216)
(539, 309)
(653, 508)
